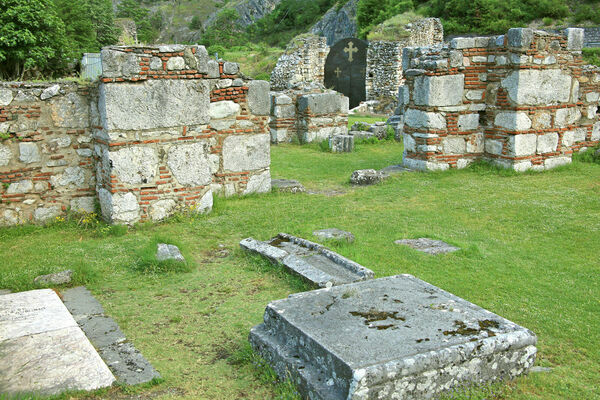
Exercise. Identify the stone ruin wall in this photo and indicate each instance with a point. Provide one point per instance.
(303, 62)
(384, 58)
(164, 130)
(523, 101)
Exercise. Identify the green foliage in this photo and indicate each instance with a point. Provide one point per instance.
(370, 13)
(588, 10)
(32, 38)
(592, 56)
(591, 155)
(393, 28)
(324, 146)
(103, 20)
(148, 24)
(225, 31)
(195, 23)
(80, 35)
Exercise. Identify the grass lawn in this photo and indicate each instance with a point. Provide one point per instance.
(530, 253)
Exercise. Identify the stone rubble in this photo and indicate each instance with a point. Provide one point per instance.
(334, 234)
(429, 246)
(58, 278)
(287, 185)
(365, 177)
(165, 252)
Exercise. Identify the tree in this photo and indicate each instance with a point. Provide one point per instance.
(141, 16)
(31, 38)
(80, 34)
(373, 12)
(103, 20)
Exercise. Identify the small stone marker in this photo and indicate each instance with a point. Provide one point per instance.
(59, 278)
(43, 350)
(166, 252)
(365, 177)
(334, 234)
(310, 260)
(395, 337)
(341, 143)
(429, 246)
(287, 185)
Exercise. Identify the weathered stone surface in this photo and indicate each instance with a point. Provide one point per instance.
(162, 209)
(396, 335)
(475, 144)
(83, 204)
(493, 146)
(444, 90)
(575, 38)
(365, 177)
(50, 92)
(538, 87)
(6, 96)
(119, 207)
(192, 164)
(205, 204)
(341, 143)
(230, 68)
(547, 143)
(421, 119)
(43, 350)
(409, 142)
(287, 185)
(174, 103)
(321, 103)
(5, 155)
(175, 64)
(334, 234)
(24, 186)
(45, 214)
(522, 145)
(393, 170)
(29, 153)
(224, 109)
(554, 162)
(168, 252)
(259, 98)
(58, 278)
(70, 176)
(259, 183)
(514, 121)
(311, 261)
(246, 152)
(567, 116)
(71, 111)
(429, 246)
(468, 122)
(135, 164)
(520, 37)
(454, 145)
(596, 131)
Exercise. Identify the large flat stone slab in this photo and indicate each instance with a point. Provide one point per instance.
(310, 260)
(395, 337)
(43, 350)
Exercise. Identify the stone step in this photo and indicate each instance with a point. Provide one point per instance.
(312, 261)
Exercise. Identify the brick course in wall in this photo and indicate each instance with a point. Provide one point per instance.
(523, 101)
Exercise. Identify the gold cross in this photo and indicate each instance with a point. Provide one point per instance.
(350, 50)
(337, 72)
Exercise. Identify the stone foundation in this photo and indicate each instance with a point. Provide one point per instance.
(523, 101)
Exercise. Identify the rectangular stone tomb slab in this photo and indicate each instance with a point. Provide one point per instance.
(389, 338)
(43, 350)
(312, 261)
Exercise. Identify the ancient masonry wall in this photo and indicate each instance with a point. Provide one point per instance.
(302, 62)
(384, 58)
(164, 130)
(523, 101)
(46, 163)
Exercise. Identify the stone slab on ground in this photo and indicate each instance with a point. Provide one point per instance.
(393, 170)
(429, 246)
(334, 234)
(127, 364)
(365, 177)
(58, 278)
(287, 185)
(395, 337)
(166, 252)
(43, 350)
(311, 261)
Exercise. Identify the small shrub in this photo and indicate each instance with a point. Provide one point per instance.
(390, 133)
(324, 145)
(592, 56)
(195, 23)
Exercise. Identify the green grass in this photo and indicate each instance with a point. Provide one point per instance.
(529, 253)
(256, 61)
(369, 119)
(591, 56)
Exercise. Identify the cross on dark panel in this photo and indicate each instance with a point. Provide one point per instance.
(345, 69)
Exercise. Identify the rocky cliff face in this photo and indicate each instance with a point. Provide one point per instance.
(337, 24)
(249, 10)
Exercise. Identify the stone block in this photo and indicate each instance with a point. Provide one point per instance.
(474, 94)
(70, 176)
(83, 204)
(118, 208)
(409, 143)
(522, 145)
(468, 122)
(287, 185)
(567, 116)
(154, 104)
(493, 146)
(592, 97)
(282, 99)
(595, 132)
(456, 58)
(230, 68)
(541, 120)
(475, 143)
(246, 153)
(58, 278)
(175, 64)
(421, 119)
(116, 63)
(462, 43)
(192, 164)
(6, 96)
(513, 121)
(422, 165)
(133, 165)
(365, 177)
(166, 252)
(43, 215)
(29, 153)
(224, 109)
(50, 92)
(520, 38)
(213, 69)
(538, 87)
(446, 90)
(579, 134)
(554, 162)
(284, 111)
(454, 145)
(575, 38)
(5, 155)
(156, 63)
(171, 48)
(341, 143)
(547, 143)
(396, 335)
(568, 138)
(22, 186)
(162, 209)
(258, 97)
(259, 183)
(321, 103)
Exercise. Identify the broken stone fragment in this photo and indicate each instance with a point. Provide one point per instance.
(429, 246)
(334, 234)
(365, 177)
(168, 252)
(287, 185)
(58, 278)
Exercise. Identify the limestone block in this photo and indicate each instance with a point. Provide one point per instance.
(205, 205)
(192, 164)
(224, 83)
(5, 155)
(246, 153)
(258, 97)
(554, 162)
(154, 104)
(29, 153)
(224, 109)
(493, 146)
(520, 37)
(596, 131)
(50, 92)
(45, 214)
(547, 143)
(567, 116)
(156, 63)
(522, 145)
(230, 68)
(541, 120)
(282, 99)
(422, 165)
(514, 121)
(519, 59)
(522, 166)
(175, 64)
(575, 91)
(456, 58)
(409, 143)
(421, 119)
(84, 152)
(284, 111)
(568, 138)
(462, 43)
(6, 96)
(592, 111)
(133, 165)
(446, 90)
(23, 186)
(463, 163)
(501, 60)
(341, 143)
(119, 207)
(86, 204)
(321, 103)
(538, 87)
(70, 176)
(117, 64)
(454, 145)
(222, 124)
(580, 134)
(162, 209)
(468, 122)
(475, 144)
(71, 111)
(592, 97)
(171, 48)
(259, 183)
(10, 217)
(574, 38)
(474, 94)
(403, 95)
(213, 69)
